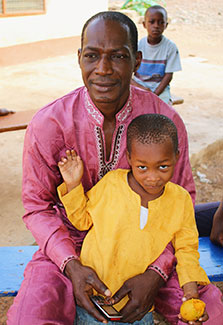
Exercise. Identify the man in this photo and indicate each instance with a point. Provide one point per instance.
(91, 120)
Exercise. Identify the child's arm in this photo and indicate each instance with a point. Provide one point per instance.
(165, 82)
(71, 192)
(134, 83)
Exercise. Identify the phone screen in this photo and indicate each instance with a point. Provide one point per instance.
(110, 310)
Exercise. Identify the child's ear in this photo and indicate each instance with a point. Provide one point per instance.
(166, 25)
(144, 24)
(128, 157)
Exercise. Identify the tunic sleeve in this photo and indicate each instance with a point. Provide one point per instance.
(42, 217)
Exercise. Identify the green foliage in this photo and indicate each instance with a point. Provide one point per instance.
(140, 6)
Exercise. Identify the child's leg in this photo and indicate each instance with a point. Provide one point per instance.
(83, 318)
(169, 300)
(165, 95)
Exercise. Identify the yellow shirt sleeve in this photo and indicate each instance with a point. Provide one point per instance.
(186, 244)
(75, 204)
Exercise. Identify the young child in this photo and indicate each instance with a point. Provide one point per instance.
(133, 214)
(160, 56)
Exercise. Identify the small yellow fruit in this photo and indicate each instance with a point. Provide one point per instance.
(192, 309)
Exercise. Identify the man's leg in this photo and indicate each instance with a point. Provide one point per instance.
(204, 217)
(169, 300)
(45, 296)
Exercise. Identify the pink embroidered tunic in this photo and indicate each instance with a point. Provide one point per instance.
(73, 122)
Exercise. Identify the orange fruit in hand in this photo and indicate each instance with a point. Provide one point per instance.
(192, 309)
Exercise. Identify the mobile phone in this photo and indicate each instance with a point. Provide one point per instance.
(107, 310)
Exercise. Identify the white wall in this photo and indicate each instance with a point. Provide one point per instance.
(63, 18)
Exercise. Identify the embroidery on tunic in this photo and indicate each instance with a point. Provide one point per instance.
(91, 109)
(127, 110)
(162, 274)
(103, 166)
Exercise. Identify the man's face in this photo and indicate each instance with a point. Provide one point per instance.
(107, 62)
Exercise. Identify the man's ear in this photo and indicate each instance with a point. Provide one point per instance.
(79, 55)
(138, 60)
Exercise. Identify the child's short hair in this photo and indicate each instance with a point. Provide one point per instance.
(157, 7)
(152, 128)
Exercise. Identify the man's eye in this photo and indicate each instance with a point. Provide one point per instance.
(118, 56)
(90, 55)
(142, 167)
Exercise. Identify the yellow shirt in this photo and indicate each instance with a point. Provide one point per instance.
(115, 246)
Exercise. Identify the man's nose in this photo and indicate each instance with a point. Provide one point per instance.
(104, 66)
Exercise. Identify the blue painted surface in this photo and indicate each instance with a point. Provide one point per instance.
(13, 261)
(211, 259)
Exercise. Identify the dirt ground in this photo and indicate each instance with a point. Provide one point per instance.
(29, 82)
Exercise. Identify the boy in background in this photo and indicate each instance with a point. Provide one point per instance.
(160, 56)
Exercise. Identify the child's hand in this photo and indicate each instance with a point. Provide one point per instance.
(191, 292)
(71, 168)
(190, 309)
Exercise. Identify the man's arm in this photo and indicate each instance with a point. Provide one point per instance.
(44, 219)
(165, 82)
(42, 216)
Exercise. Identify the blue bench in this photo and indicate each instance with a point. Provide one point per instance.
(14, 259)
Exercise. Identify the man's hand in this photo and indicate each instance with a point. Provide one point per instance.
(216, 235)
(84, 279)
(141, 290)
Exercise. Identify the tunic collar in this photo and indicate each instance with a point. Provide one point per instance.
(98, 117)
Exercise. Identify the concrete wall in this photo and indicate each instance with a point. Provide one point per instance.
(63, 18)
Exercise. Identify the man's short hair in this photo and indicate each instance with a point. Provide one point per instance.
(152, 128)
(119, 17)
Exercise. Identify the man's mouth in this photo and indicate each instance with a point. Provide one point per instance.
(103, 86)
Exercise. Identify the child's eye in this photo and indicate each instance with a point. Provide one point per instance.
(163, 167)
(142, 167)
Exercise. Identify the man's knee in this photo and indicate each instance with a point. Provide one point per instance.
(45, 297)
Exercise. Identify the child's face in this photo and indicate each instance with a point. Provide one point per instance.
(155, 23)
(152, 166)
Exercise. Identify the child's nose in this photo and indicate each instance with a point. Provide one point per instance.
(152, 176)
